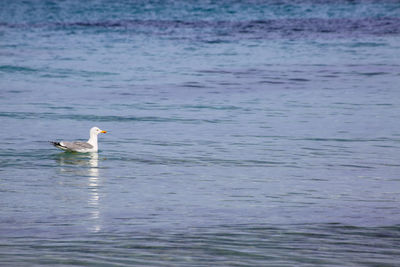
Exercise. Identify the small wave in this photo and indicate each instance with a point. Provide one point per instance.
(318, 139)
(372, 73)
(299, 80)
(98, 118)
(367, 44)
(219, 31)
(12, 69)
(194, 85)
(212, 107)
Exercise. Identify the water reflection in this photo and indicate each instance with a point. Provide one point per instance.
(85, 165)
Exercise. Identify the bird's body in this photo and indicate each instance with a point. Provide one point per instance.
(83, 147)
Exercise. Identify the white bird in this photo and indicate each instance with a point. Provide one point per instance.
(89, 146)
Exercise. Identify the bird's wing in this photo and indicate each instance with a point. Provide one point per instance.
(75, 146)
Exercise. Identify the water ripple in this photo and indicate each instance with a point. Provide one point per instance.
(247, 29)
(267, 245)
(98, 118)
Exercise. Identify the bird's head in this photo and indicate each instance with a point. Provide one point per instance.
(96, 131)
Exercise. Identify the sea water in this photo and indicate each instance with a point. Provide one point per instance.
(240, 133)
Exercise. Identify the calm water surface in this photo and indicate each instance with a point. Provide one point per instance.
(241, 133)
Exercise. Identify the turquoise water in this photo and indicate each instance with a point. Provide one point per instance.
(240, 133)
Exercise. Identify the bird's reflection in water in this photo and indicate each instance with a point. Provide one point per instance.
(85, 165)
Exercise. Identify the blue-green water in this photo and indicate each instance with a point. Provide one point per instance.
(241, 133)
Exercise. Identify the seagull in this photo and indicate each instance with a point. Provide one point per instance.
(84, 147)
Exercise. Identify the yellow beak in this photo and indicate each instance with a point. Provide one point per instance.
(103, 131)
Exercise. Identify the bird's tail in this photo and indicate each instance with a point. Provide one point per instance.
(57, 144)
